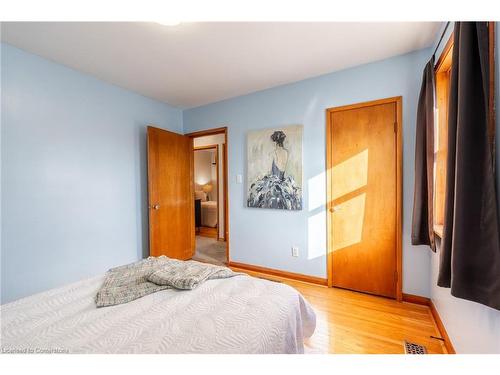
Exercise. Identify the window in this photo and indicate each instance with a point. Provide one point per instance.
(442, 73)
(442, 78)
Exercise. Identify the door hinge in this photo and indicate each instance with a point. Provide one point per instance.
(395, 127)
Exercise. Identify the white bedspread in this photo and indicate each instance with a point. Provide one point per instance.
(238, 315)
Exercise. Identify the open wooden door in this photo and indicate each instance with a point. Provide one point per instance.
(171, 196)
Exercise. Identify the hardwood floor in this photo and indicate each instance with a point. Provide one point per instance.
(207, 232)
(351, 322)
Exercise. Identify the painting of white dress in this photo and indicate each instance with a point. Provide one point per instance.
(275, 168)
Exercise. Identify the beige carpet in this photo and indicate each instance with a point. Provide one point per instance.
(210, 250)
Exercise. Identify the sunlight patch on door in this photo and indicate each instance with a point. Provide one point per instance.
(348, 222)
(350, 175)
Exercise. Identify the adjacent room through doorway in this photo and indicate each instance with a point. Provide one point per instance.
(210, 196)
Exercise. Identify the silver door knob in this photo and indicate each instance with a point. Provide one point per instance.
(155, 206)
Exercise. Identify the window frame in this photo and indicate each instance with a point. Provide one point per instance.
(442, 77)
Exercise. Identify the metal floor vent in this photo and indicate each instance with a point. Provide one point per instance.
(412, 348)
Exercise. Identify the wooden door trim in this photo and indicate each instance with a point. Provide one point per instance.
(150, 177)
(202, 133)
(208, 147)
(399, 186)
(218, 186)
(226, 198)
(215, 131)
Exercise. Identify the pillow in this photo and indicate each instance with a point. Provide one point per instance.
(199, 194)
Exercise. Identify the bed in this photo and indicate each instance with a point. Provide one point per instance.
(209, 214)
(242, 314)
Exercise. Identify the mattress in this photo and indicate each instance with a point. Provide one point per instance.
(238, 315)
(209, 214)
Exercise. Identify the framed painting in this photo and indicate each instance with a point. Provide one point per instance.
(274, 172)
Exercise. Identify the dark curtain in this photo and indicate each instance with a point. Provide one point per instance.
(470, 251)
(422, 230)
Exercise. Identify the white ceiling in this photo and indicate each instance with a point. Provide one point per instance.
(192, 64)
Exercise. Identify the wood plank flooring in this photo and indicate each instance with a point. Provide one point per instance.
(351, 322)
(207, 232)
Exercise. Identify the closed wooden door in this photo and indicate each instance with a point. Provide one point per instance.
(363, 197)
(171, 196)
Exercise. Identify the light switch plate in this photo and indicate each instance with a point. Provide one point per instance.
(295, 251)
(239, 179)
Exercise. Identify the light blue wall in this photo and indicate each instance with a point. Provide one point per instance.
(264, 237)
(73, 185)
(73, 178)
(472, 327)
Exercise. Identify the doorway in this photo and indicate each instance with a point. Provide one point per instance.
(364, 181)
(210, 196)
(206, 190)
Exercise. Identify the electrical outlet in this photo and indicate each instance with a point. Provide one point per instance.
(295, 251)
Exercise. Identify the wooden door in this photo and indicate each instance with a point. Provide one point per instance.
(171, 196)
(364, 189)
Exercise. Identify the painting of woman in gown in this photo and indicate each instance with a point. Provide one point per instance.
(275, 169)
